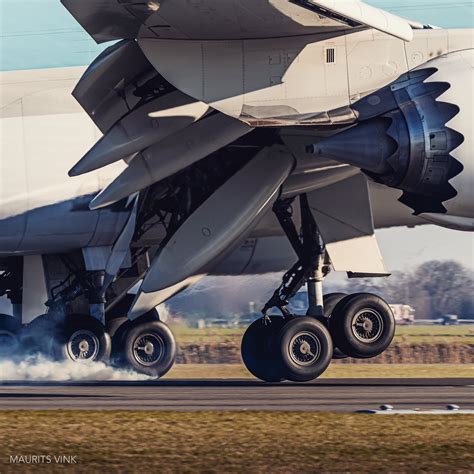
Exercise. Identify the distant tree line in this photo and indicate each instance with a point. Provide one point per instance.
(432, 289)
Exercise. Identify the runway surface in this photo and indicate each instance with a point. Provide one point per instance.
(334, 395)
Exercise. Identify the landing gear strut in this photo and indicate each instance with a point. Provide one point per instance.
(300, 348)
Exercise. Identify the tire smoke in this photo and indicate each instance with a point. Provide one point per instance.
(39, 368)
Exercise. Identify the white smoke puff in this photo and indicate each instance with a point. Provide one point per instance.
(164, 312)
(39, 368)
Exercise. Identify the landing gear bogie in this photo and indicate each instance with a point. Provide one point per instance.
(336, 326)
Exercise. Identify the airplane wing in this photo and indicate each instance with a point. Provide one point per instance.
(108, 20)
(184, 99)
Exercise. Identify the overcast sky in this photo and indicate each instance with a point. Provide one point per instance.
(405, 248)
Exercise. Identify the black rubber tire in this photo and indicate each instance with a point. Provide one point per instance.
(118, 327)
(330, 302)
(159, 333)
(344, 334)
(258, 349)
(9, 334)
(114, 326)
(40, 335)
(286, 340)
(81, 322)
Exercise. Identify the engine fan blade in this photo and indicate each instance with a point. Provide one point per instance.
(215, 227)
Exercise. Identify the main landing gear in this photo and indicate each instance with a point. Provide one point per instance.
(145, 345)
(78, 327)
(300, 348)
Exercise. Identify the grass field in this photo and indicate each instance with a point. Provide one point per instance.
(462, 333)
(238, 371)
(251, 442)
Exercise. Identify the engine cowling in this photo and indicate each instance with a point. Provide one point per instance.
(417, 135)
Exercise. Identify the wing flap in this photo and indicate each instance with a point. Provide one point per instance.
(106, 91)
(347, 226)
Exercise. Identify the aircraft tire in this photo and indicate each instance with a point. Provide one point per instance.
(149, 347)
(118, 326)
(258, 349)
(362, 325)
(330, 302)
(82, 338)
(9, 332)
(305, 348)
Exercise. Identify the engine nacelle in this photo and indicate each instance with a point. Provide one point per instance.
(417, 135)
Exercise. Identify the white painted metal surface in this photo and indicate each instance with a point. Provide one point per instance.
(172, 154)
(260, 80)
(35, 292)
(343, 214)
(224, 19)
(458, 71)
(369, 16)
(141, 128)
(43, 133)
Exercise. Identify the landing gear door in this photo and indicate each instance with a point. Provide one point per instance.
(344, 216)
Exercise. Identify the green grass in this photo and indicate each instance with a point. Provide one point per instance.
(462, 333)
(238, 371)
(250, 442)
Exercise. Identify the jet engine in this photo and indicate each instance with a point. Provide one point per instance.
(416, 135)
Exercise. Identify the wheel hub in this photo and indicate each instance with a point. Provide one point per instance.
(83, 345)
(148, 349)
(367, 325)
(305, 348)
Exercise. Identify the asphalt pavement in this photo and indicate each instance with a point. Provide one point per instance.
(324, 395)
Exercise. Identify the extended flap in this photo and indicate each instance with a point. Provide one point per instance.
(343, 214)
